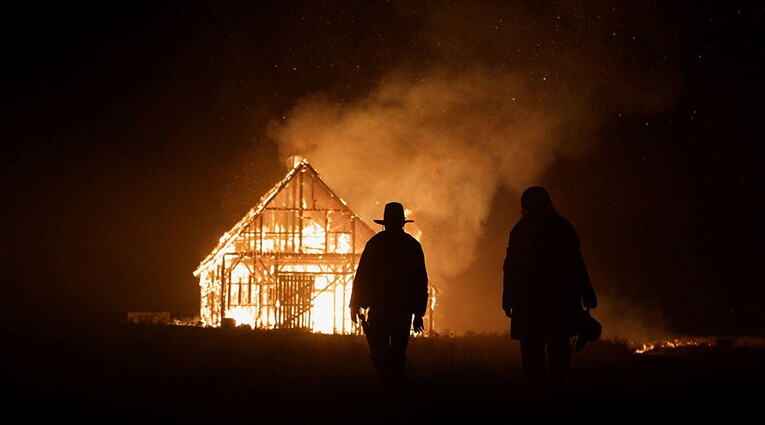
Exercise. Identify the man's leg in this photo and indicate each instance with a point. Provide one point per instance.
(399, 341)
(559, 357)
(377, 338)
(534, 366)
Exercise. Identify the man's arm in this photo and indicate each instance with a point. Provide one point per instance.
(360, 285)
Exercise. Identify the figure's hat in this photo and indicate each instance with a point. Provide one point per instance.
(393, 215)
(590, 330)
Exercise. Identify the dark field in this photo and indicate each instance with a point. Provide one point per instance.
(124, 373)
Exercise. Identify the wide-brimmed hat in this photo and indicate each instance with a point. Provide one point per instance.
(393, 215)
(589, 330)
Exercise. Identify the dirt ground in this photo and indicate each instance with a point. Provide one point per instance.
(121, 373)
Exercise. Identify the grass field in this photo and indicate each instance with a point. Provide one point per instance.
(127, 373)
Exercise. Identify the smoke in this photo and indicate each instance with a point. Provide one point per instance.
(624, 320)
(495, 107)
(441, 145)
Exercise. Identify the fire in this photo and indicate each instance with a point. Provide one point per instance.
(678, 343)
(412, 230)
(327, 309)
(671, 344)
(243, 316)
(289, 262)
(313, 239)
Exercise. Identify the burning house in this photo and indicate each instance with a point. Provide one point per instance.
(289, 262)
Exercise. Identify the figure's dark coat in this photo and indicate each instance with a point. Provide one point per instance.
(391, 276)
(545, 278)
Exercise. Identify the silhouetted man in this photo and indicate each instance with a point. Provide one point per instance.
(391, 285)
(545, 285)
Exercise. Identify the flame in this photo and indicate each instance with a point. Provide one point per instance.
(677, 343)
(413, 230)
(343, 244)
(327, 309)
(313, 238)
(243, 316)
(250, 297)
(672, 344)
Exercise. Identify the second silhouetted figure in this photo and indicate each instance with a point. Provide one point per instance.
(546, 283)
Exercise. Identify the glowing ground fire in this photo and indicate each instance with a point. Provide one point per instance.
(671, 344)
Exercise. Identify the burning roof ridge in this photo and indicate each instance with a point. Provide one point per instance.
(228, 237)
(251, 213)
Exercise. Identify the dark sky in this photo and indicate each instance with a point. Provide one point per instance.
(135, 134)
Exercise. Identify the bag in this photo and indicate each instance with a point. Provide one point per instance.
(589, 330)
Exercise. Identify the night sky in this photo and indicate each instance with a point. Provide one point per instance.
(135, 134)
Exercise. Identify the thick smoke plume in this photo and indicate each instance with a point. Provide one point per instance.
(442, 138)
(441, 145)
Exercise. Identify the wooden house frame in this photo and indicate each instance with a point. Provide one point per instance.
(288, 263)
